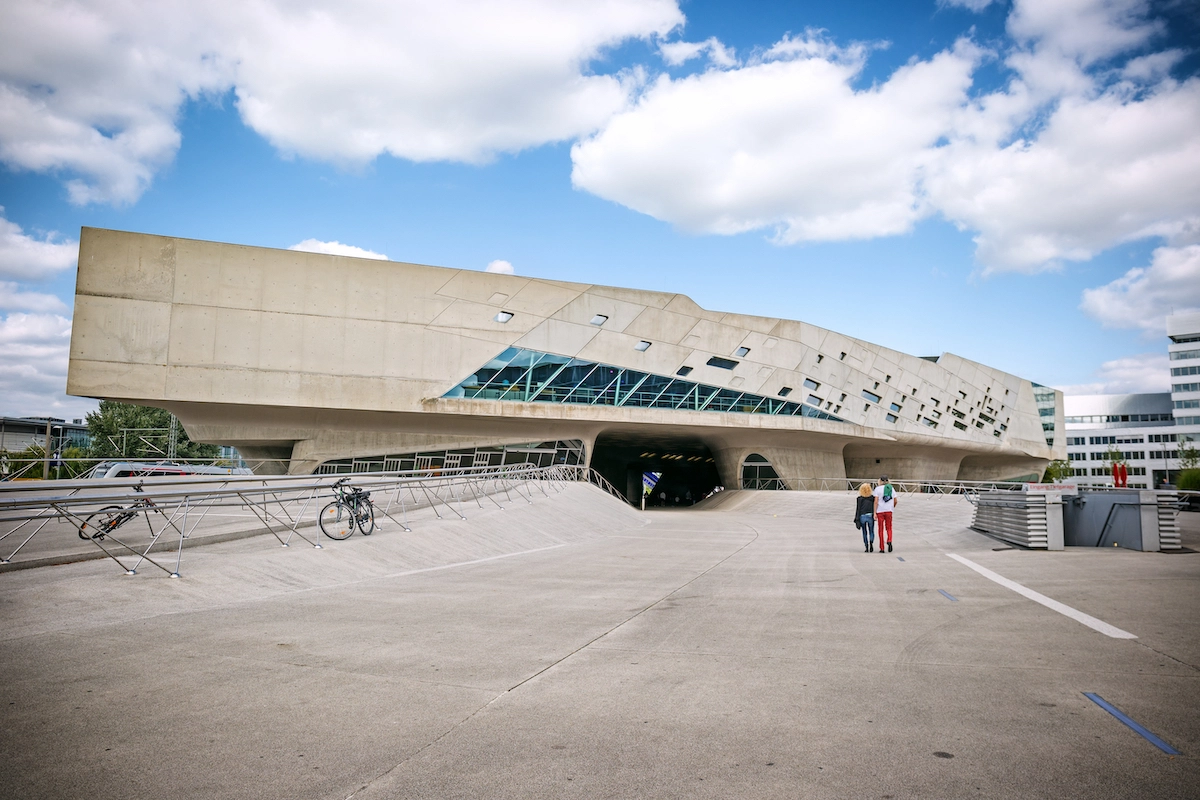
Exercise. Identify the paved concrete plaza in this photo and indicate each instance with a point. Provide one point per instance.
(577, 648)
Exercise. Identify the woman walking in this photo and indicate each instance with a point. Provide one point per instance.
(864, 517)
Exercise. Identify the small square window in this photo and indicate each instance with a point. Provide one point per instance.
(785, 391)
(723, 363)
(642, 346)
(503, 317)
(742, 351)
(813, 400)
(683, 371)
(599, 319)
(891, 417)
(810, 384)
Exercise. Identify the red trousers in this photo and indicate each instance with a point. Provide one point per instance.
(884, 520)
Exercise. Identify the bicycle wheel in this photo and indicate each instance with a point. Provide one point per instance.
(337, 520)
(101, 522)
(366, 517)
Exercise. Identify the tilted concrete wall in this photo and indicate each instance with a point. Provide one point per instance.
(321, 357)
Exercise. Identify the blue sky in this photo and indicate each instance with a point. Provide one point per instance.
(1018, 183)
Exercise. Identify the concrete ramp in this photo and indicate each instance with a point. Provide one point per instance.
(86, 594)
(915, 512)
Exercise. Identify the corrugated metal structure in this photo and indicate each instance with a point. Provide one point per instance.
(1028, 519)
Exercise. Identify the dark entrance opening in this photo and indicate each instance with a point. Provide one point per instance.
(689, 473)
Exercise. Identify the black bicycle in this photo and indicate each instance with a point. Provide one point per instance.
(103, 522)
(351, 507)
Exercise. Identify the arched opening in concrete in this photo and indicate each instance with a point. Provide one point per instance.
(757, 473)
(686, 470)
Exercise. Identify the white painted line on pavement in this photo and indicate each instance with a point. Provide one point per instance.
(1062, 608)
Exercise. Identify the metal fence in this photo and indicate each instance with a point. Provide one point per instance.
(161, 517)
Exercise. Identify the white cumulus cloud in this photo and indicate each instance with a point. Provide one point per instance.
(971, 5)
(1104, 170)
(34, 350)
(27, 257)
(1144, 296)
(336, 249)
(500, 267)
(92, 89)
(787, 143)
(676, 53)
(14, 298)
(1089, 144)
(1148, 372)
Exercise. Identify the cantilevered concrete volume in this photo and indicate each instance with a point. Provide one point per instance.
(330, 363)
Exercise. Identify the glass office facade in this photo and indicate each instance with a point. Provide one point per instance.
(1044, 398)
(529, 376)
(539, 454)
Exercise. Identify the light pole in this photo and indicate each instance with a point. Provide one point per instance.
(46, 455)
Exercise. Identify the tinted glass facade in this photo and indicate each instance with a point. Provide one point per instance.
(529, 376)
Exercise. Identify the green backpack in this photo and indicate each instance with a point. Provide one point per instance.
(887, 493)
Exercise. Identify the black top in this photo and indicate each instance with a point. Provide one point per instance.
(865, 505)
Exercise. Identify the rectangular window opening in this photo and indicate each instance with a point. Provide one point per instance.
(642, 346)
(723, 363)
(741, 352)
(599, 319)
(502, 317)
(874, 398)
(684, 371)
(785, 391)
(811, 385)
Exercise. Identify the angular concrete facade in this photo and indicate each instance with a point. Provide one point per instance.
(312, 358)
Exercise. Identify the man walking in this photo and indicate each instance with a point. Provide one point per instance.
(885, 503)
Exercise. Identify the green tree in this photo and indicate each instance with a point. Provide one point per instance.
(123, 430)
(1057, 470)
(1188, 479)
(1189, 456)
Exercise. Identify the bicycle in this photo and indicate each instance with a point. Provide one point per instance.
(351, 507)
(103, 522)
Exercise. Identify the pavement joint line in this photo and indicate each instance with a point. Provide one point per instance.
(948, 596)
(550, 666)
(1128, 721)
(1062, 608)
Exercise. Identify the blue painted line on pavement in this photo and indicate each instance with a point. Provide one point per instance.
(1116, 712)
(948, 596)
(899, 558)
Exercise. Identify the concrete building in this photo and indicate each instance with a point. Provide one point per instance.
(1148, 430)
(333, 363)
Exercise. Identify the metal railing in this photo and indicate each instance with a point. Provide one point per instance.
(165, 515)
(911, 487)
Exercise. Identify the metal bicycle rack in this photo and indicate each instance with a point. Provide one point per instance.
(174, 509)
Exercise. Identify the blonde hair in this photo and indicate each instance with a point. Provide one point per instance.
(864, 490)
